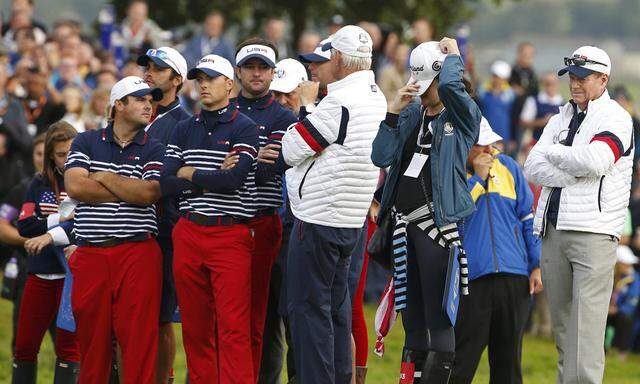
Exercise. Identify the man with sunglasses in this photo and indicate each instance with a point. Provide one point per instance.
(166, 69)
(583, 160)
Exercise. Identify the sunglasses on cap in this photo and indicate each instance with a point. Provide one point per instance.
(162, 55)
(580, 61)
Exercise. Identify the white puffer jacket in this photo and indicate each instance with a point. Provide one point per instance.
(594, 173)
(333, 179)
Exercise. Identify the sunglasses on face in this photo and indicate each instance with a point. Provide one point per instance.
(580, 61)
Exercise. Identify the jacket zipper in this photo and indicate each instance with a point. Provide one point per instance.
(303, 178)
(600, 194)
(493, 244)
(544, 214)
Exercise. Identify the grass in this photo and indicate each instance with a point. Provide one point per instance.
(538, 363)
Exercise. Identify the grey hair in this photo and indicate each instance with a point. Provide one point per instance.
(353, 62)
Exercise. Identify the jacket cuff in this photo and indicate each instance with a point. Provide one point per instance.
(391, 119)
(53, 220)
(477, 179)
(59, 236)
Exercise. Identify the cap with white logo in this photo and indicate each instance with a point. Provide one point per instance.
(353, 41)
(212, 66)
(288, 75)
(585, 61)
(487, 135)
(132, 86)
(502, 69)
(165, 57)
(258, 51)
(425, 64)
(321, 54)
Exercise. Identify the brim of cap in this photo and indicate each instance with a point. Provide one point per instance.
(312, 58)
(283, 86)
(256, 56)
(581, 72)
(489, 139)
(193, 73)
(144, 61)
(156, 93)
(423, 84)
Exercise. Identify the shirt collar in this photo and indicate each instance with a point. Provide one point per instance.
(107, 135)
(223, 115)
(259, 103)
(163, 109)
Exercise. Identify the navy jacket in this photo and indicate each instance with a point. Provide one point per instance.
(454, 132)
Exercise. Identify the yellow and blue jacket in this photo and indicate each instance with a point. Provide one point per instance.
(498, 236)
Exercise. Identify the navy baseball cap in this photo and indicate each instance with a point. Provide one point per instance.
(321, 54)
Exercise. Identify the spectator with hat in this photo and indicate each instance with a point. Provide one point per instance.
(583, 161)
(166, 69)
(330, 185)
(504, 269)
(496, 99)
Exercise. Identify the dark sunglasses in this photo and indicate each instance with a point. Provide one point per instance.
(580, 61)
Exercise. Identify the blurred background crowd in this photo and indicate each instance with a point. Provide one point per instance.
(64, 68)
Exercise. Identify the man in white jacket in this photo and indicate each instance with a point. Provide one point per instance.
(330, 187)
(584, 163)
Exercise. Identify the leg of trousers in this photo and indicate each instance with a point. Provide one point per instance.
(39, 307)
(267, 232)
(511, 301)
(116, 292)
(577, 271)
(427, 326)
(318, 302)
(212, 270)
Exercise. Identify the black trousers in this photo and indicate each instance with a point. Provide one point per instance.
(494, 314)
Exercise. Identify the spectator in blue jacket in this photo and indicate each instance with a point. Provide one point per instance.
(496, 99)
(210, 41)
(624, 301)
(504, 259)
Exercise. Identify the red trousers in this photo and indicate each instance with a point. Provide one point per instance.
(116, 292)
(267, 235)
(40, 302)
(212, 271)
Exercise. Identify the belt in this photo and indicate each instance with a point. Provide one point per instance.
(265, 212)
(201, 219)
(112, 242)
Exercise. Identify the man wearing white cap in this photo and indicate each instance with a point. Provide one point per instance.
(330, 186)
(117, 268)
(583, 160)
(504, 269)
(289, 75)
(212, 239)
(166, 69)
(426, 146)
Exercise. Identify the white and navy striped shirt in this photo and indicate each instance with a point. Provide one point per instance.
(97, 151)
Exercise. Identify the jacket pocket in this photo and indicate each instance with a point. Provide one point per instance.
(304, 178)
(600, 194)
(518, 244)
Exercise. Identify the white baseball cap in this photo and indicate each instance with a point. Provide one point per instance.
(321, 54)
(258, 51)
(132, 86)
(425, 64)
(288, 75)
(587, 60)
(625, 255)
(165, 57)
(487, 135)
(352, 40)
(502, 69)
(213, 66)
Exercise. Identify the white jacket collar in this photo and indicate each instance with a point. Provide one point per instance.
(356, 77)
(592, 106)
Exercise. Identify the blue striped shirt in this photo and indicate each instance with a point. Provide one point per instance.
(97, 151)
(203, 142)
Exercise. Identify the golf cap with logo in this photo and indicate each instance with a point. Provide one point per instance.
(321, 54)
(165, 57)
(502, 69)
(212, 66)
(353, 41)
(425, 64)
(133, 86)
(585, 61)
(288, 75)
(487, 135)
(256, 51)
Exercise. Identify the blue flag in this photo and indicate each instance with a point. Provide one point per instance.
(451, 298)
(65, 318)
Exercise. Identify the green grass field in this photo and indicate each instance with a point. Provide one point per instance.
(538, 361)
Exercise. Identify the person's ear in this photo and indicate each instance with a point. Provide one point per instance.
(238, 71)
(229, 84)
(177, 80)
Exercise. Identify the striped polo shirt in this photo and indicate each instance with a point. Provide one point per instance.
(97, 151)
(272, 120)
(202, 142)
